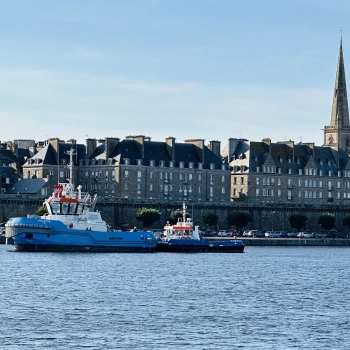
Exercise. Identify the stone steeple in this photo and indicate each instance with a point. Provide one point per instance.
(340, 109)
(337, 134)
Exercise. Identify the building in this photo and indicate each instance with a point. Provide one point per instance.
(288, 173)
(138, 168)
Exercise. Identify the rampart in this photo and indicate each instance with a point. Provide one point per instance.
(117, 212)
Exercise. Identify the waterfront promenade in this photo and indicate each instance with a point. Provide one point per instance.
(293, 242)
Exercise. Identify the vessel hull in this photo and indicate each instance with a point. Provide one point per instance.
(182, 246)
(31, 234)
(227, 247)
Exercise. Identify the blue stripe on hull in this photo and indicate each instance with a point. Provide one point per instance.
(80, 248)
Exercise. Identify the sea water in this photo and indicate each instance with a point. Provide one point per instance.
(265, 298)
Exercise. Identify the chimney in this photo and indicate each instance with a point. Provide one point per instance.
(110, 145)
(170, 146)
(90, 147)
(214, 146)
(199, 143)
(140, 139)
(55, 142)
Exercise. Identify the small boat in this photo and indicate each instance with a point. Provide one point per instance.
(72, 225)
(182, 237)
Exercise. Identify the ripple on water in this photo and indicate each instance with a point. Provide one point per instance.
(266, 298)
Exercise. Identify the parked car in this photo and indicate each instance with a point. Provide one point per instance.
(271, 234)
(245, 233)
(234, 233)
(222, 233)
(292, 234)
(254, 233)
(304, 235)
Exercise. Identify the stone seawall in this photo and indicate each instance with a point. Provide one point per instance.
(117, 212)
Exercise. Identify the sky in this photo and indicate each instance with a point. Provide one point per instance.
(207, 69)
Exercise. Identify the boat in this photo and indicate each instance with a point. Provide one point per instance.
(72, 225)
(182, 237)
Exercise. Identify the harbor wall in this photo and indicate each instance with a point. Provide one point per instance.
(117, 212)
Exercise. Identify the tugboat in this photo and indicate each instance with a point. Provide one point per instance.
(72, 225)
(182, 237)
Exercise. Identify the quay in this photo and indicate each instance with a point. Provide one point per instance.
(292, 242)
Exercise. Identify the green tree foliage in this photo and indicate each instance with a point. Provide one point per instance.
(41, 210)
(210, 218)
(297, 221)
(148, 216)
(327, 221)
(346, 221)
(175, 215)
(239, 219)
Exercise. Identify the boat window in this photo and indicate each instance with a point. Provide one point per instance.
(72, 208)
(55, 207)
(65, 208)
(80, 209)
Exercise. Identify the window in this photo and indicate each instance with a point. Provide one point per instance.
(126, 173)
(139, 173)
(223, 190)
(199, 189)
(289, 195)
(279, 182)
(320, 195)
(151, 175)
(61, 173)
(320, 183)
(199, 177)
(126, 186)
(338, 184)
(151, 187)
(257, 181)
(279, 193)
(257, 192)
(300, 194)
(301, 172)
(223, 178)
(181, 176)
(235, 181)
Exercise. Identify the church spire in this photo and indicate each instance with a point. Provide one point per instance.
(340, 109)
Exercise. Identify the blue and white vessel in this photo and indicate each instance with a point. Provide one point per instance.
(71, 224)
(182, 237)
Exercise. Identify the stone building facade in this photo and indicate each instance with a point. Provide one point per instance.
(138, 168)
(288, 173)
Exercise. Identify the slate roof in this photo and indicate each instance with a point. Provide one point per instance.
(7, 156)
(27, 186)
(48, 154)
(157, 151)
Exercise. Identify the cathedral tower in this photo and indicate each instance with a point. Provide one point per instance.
(337, 134)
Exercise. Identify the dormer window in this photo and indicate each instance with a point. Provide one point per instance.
(181, 164)
(139, 161)
(161, 163)
(212, 166)
(200, 165)
(127, 161)
(171, 164)
(151, 162)
(190, 165)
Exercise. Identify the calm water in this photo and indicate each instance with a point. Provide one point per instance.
(266, 298)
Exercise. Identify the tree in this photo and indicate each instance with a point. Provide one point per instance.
(297, 221)
(346, 221)
(147, 216)
(239, 219)
(210, 218)
(41, 210)
(327, 221)
(175, 215)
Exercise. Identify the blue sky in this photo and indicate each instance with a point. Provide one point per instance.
(211, 69)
